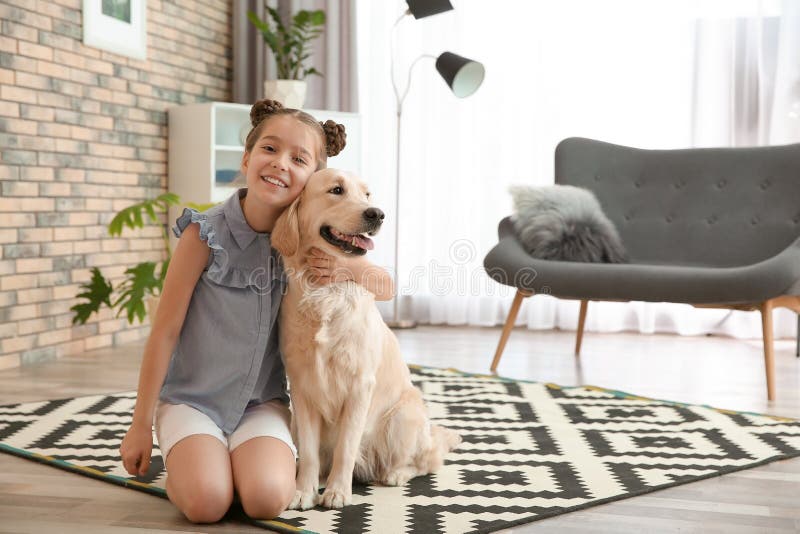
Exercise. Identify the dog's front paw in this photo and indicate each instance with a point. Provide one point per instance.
(336, 498)
(303, 500)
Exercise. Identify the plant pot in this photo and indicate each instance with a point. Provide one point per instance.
(152, 306)
(290, 93)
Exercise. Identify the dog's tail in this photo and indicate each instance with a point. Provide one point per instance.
(443, 440)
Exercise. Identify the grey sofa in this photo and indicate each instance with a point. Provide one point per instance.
(713, 227)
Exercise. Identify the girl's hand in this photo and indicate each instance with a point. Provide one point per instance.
(135, 450)
(327, 269)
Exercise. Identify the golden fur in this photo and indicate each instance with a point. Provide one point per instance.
(356, 411)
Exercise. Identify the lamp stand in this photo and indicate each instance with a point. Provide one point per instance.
(396, 322)
(462, 75)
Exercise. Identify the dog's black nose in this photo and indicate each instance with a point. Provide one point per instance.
(373, 215)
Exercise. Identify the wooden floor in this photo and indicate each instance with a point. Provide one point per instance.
(720, 372)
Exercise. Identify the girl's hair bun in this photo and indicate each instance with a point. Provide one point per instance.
(335, 137)
(263, 109)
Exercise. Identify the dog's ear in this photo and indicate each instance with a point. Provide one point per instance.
(286, 234)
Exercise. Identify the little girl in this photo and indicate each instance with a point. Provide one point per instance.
(212, 372)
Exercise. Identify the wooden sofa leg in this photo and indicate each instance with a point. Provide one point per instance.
(512, 316)
(581, 322)
(769, 351)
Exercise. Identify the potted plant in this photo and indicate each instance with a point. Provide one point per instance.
(290, 45)
(138, 293)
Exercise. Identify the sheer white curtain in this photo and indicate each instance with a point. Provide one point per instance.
(635, 73)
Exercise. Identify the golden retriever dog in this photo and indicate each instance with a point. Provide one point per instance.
(355, 410)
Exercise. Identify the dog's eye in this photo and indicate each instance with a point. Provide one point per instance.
(338, 190)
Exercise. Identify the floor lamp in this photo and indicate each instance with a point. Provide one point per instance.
(463, 76)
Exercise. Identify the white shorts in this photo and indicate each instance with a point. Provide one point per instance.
(174, 422)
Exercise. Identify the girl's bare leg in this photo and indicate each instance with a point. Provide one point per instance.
(199, 478)
(263, 473)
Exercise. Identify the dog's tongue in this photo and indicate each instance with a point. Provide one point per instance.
(364, 242)
(356, 240)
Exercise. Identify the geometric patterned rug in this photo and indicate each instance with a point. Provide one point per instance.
(530, 451)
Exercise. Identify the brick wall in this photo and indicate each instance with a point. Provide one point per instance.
(83, 133)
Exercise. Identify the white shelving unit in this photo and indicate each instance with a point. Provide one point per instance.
(206, 144)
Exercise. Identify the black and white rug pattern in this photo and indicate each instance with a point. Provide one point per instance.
(530, 451)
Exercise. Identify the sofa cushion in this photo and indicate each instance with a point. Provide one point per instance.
(566, 223)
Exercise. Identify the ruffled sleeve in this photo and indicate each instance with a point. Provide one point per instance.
(220, 269)
(207, 231)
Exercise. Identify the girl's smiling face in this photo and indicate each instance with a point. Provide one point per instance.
(282, 159)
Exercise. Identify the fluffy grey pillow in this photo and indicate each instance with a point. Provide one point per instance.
(565, 223)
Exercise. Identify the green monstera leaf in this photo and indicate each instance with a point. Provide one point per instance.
(133, 216)
(96, 293)
(141, 281)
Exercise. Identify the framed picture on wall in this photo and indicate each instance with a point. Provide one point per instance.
(118, 26)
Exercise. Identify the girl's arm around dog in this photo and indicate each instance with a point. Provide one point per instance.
(328, 269)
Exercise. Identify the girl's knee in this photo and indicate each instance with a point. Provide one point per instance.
(203, 502)
(268, 498)
(199, 478)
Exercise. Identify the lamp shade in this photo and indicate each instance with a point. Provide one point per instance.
(425, 8)
(463, 75)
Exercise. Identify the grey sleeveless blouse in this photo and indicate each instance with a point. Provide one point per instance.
(227, 356)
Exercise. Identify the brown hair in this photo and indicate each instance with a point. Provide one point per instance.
(331, 135)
